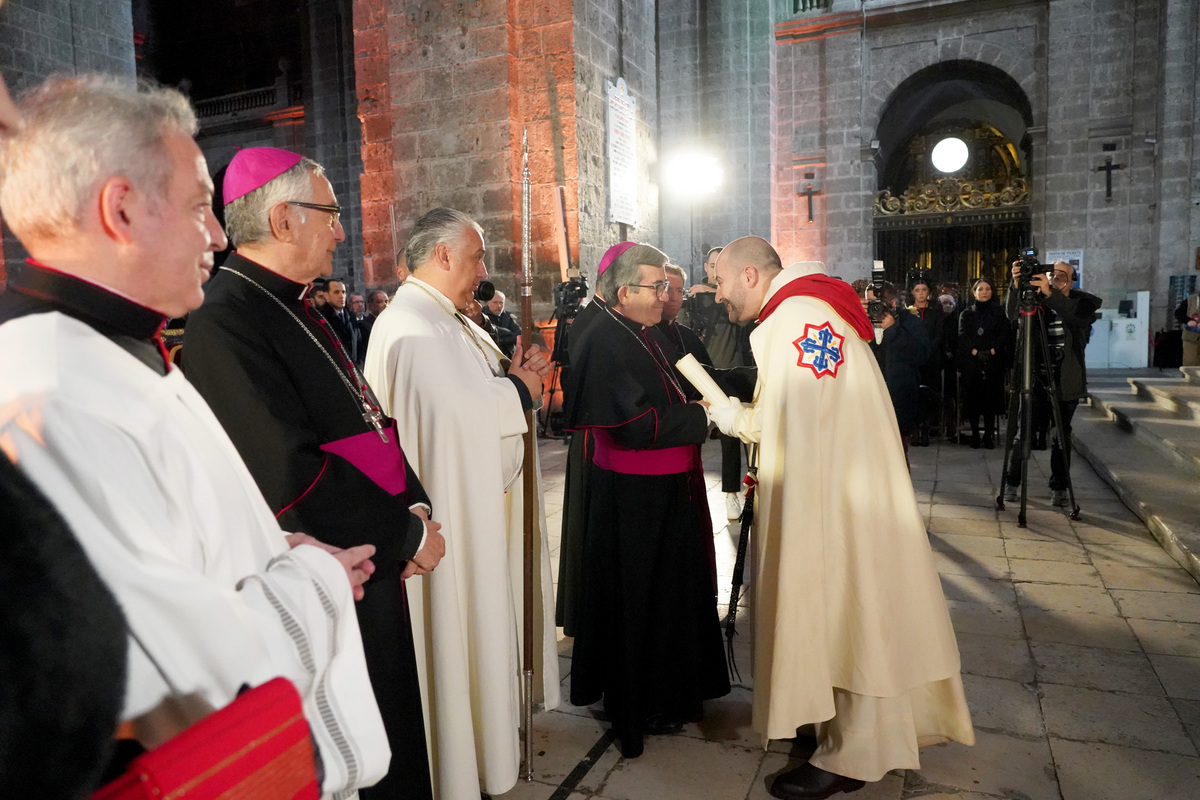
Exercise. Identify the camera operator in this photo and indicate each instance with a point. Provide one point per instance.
(901, 350)
(1069, 313)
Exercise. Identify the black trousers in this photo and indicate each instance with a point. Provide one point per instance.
(731, 463)
(1060, 464)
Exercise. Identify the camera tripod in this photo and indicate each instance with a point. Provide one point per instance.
(1020, 404)
(551, 421)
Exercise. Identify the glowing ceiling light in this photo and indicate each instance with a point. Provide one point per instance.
(949, 155)
(692, 174)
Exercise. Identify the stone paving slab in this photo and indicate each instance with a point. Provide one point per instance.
(997, 765)
(1095, 668)
(1168, 638)
(1086, 630)
(1090, 715)
(1092, 771)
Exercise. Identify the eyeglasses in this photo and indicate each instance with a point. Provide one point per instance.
(663, 288)
(334, 212)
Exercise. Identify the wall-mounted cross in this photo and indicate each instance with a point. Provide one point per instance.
(808, 192)
(1107, 169)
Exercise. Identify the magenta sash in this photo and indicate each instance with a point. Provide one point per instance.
(666, 461)
(382, 462)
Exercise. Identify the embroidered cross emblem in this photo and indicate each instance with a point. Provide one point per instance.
(820, 350)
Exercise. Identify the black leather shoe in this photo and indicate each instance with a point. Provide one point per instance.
(807, 782)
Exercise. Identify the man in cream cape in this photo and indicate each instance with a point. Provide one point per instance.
(851, 628)
(109, 193)
(461, 417)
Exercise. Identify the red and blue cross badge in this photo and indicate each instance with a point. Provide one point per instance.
(820, 350)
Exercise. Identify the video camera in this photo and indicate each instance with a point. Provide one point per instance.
(568, 297)
(1030, 266)
(878, 308)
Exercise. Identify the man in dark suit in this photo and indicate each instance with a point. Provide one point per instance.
(348, 328)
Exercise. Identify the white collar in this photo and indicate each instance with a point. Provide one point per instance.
(434, 293)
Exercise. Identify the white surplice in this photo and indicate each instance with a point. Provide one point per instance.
(173, 522)
(846, 594)
(460, 423)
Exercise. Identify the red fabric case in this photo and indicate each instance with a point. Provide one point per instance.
(256, 747)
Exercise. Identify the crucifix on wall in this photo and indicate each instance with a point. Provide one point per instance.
(1107, 169)
(811, 185)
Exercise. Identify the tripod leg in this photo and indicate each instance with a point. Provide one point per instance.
(1060, 432)
(1010, 434)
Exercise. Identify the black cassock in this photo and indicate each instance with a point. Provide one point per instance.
(575, 484)
(278, 394)
(647, 636)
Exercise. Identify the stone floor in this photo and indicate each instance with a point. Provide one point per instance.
(1080, 645)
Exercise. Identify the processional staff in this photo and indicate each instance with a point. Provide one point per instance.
(529, 471)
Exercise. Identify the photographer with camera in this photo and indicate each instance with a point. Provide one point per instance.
(982, 353)
(901, 350)
(1069, 313)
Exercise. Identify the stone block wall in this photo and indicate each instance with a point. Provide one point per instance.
(1104, 78)
(614, 38)
(837, 72)
(1178, 176)
(41, 37)
(331, 123)
(717, 84)
(444, 92)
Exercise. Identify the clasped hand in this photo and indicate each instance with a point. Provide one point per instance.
(355, 560)
(530, 366)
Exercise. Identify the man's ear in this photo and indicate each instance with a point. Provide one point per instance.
(751, 275)
(441, 252)
(622, 295)
(280, 219)
(119, 204)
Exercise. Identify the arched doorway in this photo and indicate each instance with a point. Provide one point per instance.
(953, 223)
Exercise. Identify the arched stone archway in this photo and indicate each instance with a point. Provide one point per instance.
(953, 227)
(1019, 70)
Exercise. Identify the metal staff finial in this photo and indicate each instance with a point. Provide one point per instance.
(526, 235)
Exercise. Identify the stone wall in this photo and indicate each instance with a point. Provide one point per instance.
(1102, 78)
(331, 124)
(445, 91)
(717, 83)
(837, 73)
(1178, 179)
(614, 38)
(41, 37)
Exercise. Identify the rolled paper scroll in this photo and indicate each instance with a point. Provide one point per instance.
(694, 371)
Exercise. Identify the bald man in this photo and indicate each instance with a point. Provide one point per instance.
(851, 628)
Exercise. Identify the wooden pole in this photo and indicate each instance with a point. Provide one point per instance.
(529, 471)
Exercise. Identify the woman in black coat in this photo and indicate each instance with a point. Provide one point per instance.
(982, 350)
(928, 311)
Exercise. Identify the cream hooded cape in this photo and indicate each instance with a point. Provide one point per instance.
(846, 594)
